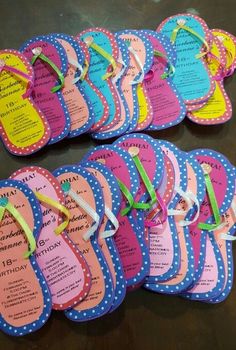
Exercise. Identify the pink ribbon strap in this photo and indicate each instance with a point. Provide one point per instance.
(13, 70)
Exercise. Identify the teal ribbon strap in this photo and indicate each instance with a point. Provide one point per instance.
(6, 205)
(213, 203)
(39, 55)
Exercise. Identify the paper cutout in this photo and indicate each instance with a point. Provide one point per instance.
(63, 266)
(23, 127)
(168, 105)
(192, 77)
(51, 104)
(98, 70)
(129, 237)
(100, 296)
(112, 200)
(79, 106)
(222, 178)
(25, 299)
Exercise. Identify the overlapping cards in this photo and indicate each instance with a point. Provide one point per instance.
(139, 212)
(109, 84)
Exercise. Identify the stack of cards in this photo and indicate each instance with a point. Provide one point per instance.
(139, 212)
(110, 84)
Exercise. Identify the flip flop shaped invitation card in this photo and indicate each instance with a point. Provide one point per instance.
(167, 103)
(191, 37)
(84, 200)
(25, 300)
(79, 105)
(50, 65)
(109, 226)
(23, 126)
(63, 266)
(129, 237)
(219, 178)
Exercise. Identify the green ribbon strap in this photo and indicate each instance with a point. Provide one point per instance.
(90, 43)
(213, 202)
(171, 70)
(128, 196)
(133, 151)
(6, 205)
(181, 25)
(38, 54)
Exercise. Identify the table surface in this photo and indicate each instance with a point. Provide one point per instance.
(144, 319)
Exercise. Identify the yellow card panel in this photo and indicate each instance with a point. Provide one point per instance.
(229, 45)
(215, 107)
(142, 102)
(18, 116)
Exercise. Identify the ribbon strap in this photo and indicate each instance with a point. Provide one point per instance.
(213, 201)
(133, 151)
(25, 76)
(227, 237)
(127, 195)
(44, 199)
(222, 73)
(83, 70)
(66, 187)
(171, 70)
(113, 220)
(121, 72)
(90, 43)
(195, 200)
(38, 54)
(6, 205)
(150, 220)
(181, 25)
(185, 196)
(138, 61)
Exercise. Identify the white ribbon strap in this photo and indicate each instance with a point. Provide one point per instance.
(76, 65)
(187, 200)
(226, 236)
(196, 216)
(89, 210)
(137, 59)
(119, 75)
(233, 207)
(113, 220)
(190, 199)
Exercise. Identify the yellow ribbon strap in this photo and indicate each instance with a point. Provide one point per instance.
(89, 41)
(52, 203)
(6, 205)
(85, 70)
(181, 25)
